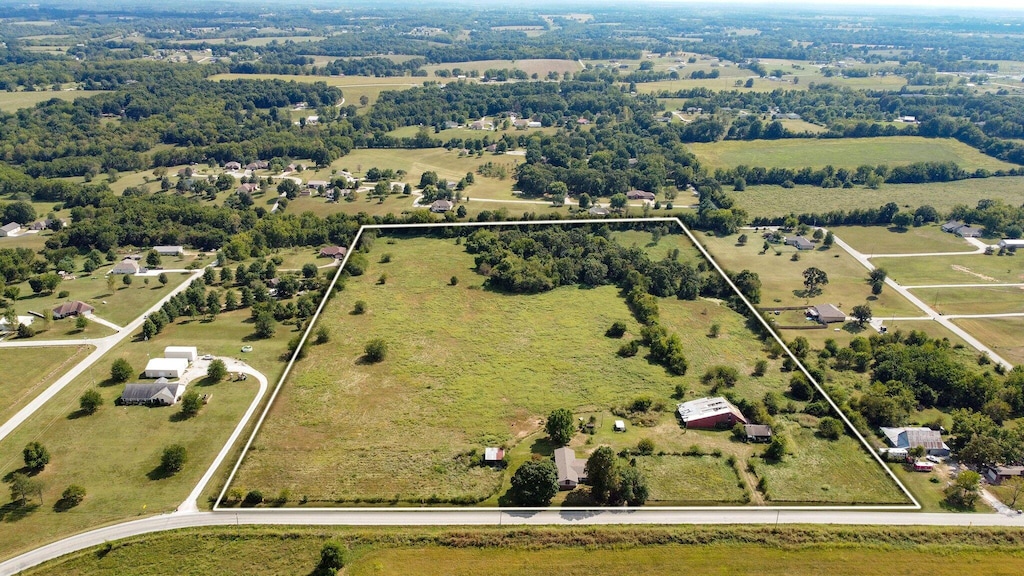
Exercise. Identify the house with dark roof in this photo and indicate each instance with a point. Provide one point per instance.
(71, 309)
(159, 393)
(758, 432)
(952, 226)
(440, 206)
(826, 314)
(336, 252)
(908, 438)
(572, 471)
(640, 195)
(799, 242)
(248, 188)
(996, 474)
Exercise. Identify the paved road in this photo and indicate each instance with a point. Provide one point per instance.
(191, 504)
(491, 518)
(943, 320)
(103, 345)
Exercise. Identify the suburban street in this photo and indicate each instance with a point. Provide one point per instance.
(103, 345)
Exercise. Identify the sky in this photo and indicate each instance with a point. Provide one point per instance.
(1015, 5)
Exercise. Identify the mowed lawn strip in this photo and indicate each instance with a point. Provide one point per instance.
(995, 300)
(843, 153)
(968, 269)
(25, 372)
(913, 240)
(115, 453)
(1000, 334)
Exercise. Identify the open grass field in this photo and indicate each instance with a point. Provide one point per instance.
(11, 101)
(784, 550)
(119, 306)
(405, 427)
(25, 372)
(539, 66)
(931, 328)
(1000, 334)
(352, 87)
(973, 300)
(913, 240)
(697, 479)
(115, 453)
(971, 269)
(771, 201)
(842, 153)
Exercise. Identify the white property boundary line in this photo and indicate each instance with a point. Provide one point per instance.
(676, 221)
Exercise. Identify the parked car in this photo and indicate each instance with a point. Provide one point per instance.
(207, 356)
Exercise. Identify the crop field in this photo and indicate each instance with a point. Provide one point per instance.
(11, 101)
(115, 453)
(983, 300)
(842, 153)
(913, 240)
(971, 269)
(784, 550)
(25, 372)
(407, 428)
(1000, 334)
(770, 201)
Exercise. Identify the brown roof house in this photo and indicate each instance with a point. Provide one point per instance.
(826, 314)
(441, 206)
(336, 252)
(639, 195)
(71, 309)
(571, 470)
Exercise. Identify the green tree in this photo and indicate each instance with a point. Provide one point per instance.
(830, 428)
(830, 239)
(81, 323)
(602, 474)
(162, 278)
(776, 449)
(618, 201)
(632, 487)
(645, 447)
(213, 306)
(535, 483)
(153, 259)
(800, 388)
(173, 459)
(309, 270)
(36, 456)
(121, 371)
(963, 493)
(126, 279)
(149, 329)
(560, 426)
(359, 307)
(23, 487)
(71, 497)
(217, 370)
(862, 314)
(230, 300)
(332, 557)
(191, 403)
(814, 279)
(90, 401)
(265, 325)
(323, 335)
(376, 350)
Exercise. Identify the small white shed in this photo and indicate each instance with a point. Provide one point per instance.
(166, 367)
(189, 353)
(620, 426)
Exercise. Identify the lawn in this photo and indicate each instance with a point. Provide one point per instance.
(525, 551)
(352, 87)
(115, 453)
(969, 269)
(11, 101)
(973, 300)
(770, 201)
(691, 479)
(842, 153)
(782, 279)
(25, 372)
(919, 239)
(1000, 334)
(469, 368)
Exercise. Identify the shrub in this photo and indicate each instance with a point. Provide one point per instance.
(760, 368)
(629, 349)
(36, 456)
(830, 428)
(645, 447)
(253, 498)
(454, 281)
(72, 496)
(376, 350)
(385, 258)
(323, 335)
(332, 559)
(173, 458)
(641, 404)
(63, 294)
(617, 330)
(90, 402)
(800, 388)
(359, 308)
(383, 279)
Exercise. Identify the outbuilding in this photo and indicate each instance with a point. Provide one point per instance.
(758, 432)
(166, 367)
(907, 438)
(1011, 243)
(189, 353)
(996, 474)
(619, 426)
(714, 412)
(494, 456)
(169, 250)
(10, 229)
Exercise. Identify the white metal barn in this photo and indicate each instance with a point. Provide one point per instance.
(189, 353)
(166, 367)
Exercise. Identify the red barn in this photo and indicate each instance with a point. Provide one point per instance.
(710, 413)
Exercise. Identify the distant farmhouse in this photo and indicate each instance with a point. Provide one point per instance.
(710, 413)
(799, 242)
(336, 252)
(961, 229)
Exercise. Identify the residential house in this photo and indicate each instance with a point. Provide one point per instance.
(908, 438)
(160, 393)
(758, 432)
(952, 226)
(40, 225)
(440, 206)
(826, 314)
(572, 471)
(481, 125)
(189, 353)
(907, 119)
(75, 308)
(582, 121)
(996, 474)
(248, 188)
(596, 210)
(232, 166)
(494, 456)
(800, 242)
(640, 195)
(968, 232)
(10, 229)
(317, 184)
(448, 124)
(710, 413)
(169, 250)
(533, 124)
(336, 252)
(127, 266)
(166, 367)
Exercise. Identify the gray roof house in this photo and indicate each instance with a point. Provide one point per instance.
(598, 211)
(126, 266)
(908, 438)
(952, 226)
(800, 242)
(968, 232)
(758, 432)
(571, 470)
(441, 206)
(996, 474)
(159, 393)
(826, 314)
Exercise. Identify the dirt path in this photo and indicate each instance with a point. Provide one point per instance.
(756, 498)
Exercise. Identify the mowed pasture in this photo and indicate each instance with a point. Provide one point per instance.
(1000, 334)
(968, 269)
(842, 153)
(352, 87)
(913, 240)
(25, 372)
(11, 101)
(469, 368)
(539, 66)
(527, 551)
(983, 300)
(771, 201)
